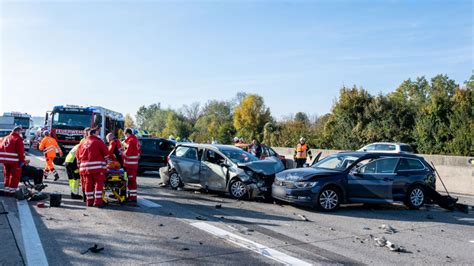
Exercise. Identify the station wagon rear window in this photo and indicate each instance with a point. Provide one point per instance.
(410, 164)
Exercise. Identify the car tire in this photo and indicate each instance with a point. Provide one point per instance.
(237, 189)
(415, 197)
(175, 180)
(329, 199)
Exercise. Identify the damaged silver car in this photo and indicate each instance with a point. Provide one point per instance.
(220, 168)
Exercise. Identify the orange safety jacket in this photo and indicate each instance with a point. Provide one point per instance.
(302, 151)
(49, 146)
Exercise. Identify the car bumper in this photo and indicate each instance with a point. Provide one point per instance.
(304, 196)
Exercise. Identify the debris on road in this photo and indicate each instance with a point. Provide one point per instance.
(176, 237)
(383, 242)
(84, 214)
(93, 249)
(185, 249)
(218, 206)
(197, 192)
(179, 189)
(332, 229)
(161, 225)
(41, 204)
(388, 229)
(201, 218)
(303, 217)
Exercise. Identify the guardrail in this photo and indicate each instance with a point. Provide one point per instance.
(456, 171)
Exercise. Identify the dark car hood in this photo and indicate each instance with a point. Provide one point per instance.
(265, 167)
(301, 174)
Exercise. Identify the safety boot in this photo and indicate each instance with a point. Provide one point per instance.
(76, 196)
(56, 176)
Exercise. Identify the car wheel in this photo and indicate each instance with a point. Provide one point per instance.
(415, 198)
(329, 199)
(238, 189)
(175, 180)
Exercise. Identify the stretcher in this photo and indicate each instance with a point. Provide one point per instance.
(116, 184)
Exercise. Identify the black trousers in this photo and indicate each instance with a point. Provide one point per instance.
(70, 168)
(300, 162)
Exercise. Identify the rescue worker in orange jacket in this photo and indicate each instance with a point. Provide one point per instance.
(130, 162)
(92, 156)
(115, 149)
(302, 152)
(49, 146)
(12, 156)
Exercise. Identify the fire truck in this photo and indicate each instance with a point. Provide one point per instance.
(67, 123)
(12, 119)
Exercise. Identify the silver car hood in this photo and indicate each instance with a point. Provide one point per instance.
(265, 167)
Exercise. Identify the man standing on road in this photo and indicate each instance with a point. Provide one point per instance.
(49, 146)
(92, 156)
(255, 148)
(130, 162)
(302, 152)
(73, 172)
(12, 156)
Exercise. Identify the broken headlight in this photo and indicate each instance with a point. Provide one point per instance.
(304, 184)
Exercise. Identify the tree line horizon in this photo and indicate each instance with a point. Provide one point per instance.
(434, 116)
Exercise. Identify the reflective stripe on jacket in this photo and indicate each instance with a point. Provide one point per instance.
(49, 146)
(132, 153)
(12, 149)
(92, 155)
(301, 151)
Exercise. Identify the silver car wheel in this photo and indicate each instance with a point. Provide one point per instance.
(417, 197)
(174, 180)
(238, 189)
(328, 199)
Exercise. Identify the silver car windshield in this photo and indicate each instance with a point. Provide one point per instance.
(238, 156)
(339, 162)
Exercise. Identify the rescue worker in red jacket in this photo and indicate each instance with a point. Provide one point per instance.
(130, 162)
(92, 156)
(115, 149)
(12, 156)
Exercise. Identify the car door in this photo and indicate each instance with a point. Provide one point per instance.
(214, 170)
(372, 181)
(409, 170)
(187, 164)
(149, 148)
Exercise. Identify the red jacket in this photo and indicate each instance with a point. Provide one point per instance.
(115, 144)
(12, 149)
(92, 155)
(132, 152)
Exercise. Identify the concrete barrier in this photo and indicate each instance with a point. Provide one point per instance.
(456, 172)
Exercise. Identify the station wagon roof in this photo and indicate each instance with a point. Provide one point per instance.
(210, 146)
(364, 154)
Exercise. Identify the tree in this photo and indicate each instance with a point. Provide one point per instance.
(250, 116)
(215, 123)
(129, 121)
(192, 112)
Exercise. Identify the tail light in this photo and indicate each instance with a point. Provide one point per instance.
(167, 159)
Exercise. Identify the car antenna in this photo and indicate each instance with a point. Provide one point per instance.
(436, 171)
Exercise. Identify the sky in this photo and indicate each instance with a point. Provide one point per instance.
(296, 54)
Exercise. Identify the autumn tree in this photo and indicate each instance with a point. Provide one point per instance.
(250, 116)
(129, 123)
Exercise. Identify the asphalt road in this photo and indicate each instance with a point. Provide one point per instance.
(195, 227)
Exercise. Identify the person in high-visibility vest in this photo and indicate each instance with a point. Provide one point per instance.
(73, 172)
(302, 152)
(49, 146)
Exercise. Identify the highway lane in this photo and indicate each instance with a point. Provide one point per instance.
(187, 229)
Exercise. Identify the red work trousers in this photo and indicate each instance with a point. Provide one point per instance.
(94, 185)
(132, 183)
(12, 175)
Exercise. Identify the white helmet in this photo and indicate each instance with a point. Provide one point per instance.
(236, 139)
(302, 139)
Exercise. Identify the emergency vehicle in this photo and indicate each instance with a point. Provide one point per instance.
(67, 123)
(13, 119)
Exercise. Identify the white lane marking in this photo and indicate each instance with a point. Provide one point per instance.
(249, 244)
(37, 157)
(33, 248)
(472, 241)
(148, 203)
